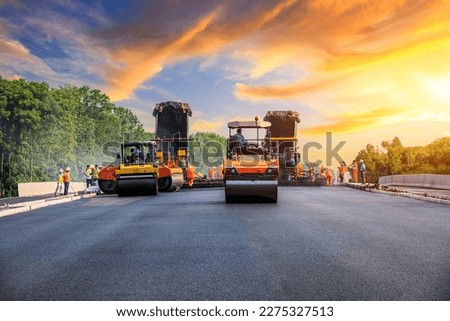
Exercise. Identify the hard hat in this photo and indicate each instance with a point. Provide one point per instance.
(60, 170)
(67, 169)
(361, 161)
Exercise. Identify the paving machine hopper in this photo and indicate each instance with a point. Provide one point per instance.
(283, 132)
(172, 126)
(250, 167)
(137, 173)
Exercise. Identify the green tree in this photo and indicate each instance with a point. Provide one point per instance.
(207, 150)
(375, 161)
(395, 156)
(44, 129)
(397, 159)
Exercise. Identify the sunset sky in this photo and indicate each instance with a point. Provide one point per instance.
(366, 71)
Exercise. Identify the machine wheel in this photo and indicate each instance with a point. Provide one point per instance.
(108, 186)
(136, 185)
(246, 191)
(164, 184)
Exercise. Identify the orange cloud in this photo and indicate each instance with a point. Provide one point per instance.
(282, 92)
(356, 121)
(145, 55)
(144, 60)
(355, 37)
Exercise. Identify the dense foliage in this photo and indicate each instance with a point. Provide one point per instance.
(394, 158)
(207, 150)
(44, 129)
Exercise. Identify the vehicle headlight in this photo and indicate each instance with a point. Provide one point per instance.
(232, 171)
(272, 171)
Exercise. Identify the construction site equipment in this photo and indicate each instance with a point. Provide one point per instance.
(283, 132)
(137, 173)
(284, 143)
(172, 128)
(107, 181)
(250, 167)
(171, 148)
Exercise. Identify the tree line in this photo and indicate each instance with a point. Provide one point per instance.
(44, 129)
(394, 158)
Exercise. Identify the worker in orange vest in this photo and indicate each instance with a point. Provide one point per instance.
(329, 175)
(220, 171)
(190, 175)
(66, 180)
(211, 173)
(354, 169)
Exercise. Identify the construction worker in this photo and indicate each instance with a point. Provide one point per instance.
(354, 169)
(66, 180)
(362, 171)
(95, 175)
(240, 138)
(137, 155)
(220, 171)
(329, 176)
(88, 174)
(211, 173)
(342, 170)
(190, 175)
(59, 183)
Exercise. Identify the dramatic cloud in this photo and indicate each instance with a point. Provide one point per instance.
(15, 59)
(342, 59)
(356, 120)
(144, 54)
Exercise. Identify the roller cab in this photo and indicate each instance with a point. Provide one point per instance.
(250, 168)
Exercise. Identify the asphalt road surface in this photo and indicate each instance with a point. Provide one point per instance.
(317, 243)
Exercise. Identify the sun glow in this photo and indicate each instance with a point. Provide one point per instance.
(438, 87)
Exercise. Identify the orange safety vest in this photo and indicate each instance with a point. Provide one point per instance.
(190, 173)
(66, 177)
(190, 176)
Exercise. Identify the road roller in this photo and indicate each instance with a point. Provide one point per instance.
(250, 167)
(138, 172)
(171, 148)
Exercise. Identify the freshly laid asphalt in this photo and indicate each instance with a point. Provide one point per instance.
(317, 243)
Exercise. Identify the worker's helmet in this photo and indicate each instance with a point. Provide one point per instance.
(67, 169)
(361, 161)
(61, 170)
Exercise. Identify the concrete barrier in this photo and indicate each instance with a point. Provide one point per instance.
(419, 180)
(45, 188)
(18, 208)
